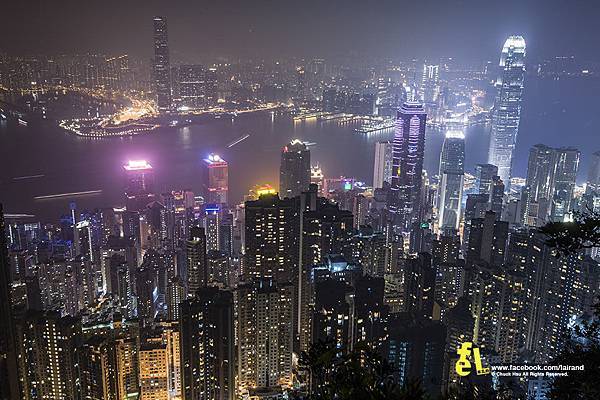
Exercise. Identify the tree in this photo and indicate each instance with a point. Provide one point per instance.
(571, 237)
(359, 374)
(582, 343)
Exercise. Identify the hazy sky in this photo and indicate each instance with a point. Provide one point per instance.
(399, 29)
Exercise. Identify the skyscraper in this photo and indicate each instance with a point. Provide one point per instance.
(382, 169)
(9, 389)
(593, 178)
(430, 89)
(162, 66)
(452, 171)
(407, 164)
(294, 173)
(197, 264)
(217, 179)
(207, 345)
(484, 174)
(139, 184)
(506, 113)
(565, 177)
(192, 86)
(265, 334)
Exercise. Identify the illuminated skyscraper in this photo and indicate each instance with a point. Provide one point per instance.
(407, 165)
(207, 345)
(217, 179)
(382, 169)
(452, 172)
(9, 389)
(294, 173)
(192, 86)
(265, 334)
(430, 89)
(154, 369)
(565, 177)
(484, 174)
(139, 184)
(162, 65)
(506, 113)
(212, 226)
(594, 172)
(196, 260)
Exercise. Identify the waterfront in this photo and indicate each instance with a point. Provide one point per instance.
(565, 113)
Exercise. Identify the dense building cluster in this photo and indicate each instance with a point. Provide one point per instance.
(187, 295)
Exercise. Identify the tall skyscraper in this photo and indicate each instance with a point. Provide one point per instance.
(407, 165)
(593, 177)
(265, 335)
(429, 89)
(139, 184)
(294, 173)
(197, 264)
(452, 172)
(382, 169)
(217, 179)
(506, 113)
(484, 174)
(162, 65)
(271, 232)
(9, 389)
(207, 345)
(192, 86)
(550, 184)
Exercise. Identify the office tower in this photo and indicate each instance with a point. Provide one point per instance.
(265, 335)
(565, 177)
(429, 88)
(207, 345)
(382, 170)
(145, 282)
(162, 66)
(153, 367)
(175, 295)
(47, 362)
(331, 315)
(506, 113)
(139, 184)
(484, 173)
(407, 165)
(550, 184)
(446, 249)
(294, 172)
(415, 349)
(271, 232)
(452, 172)
(192, 87)
(593, 178)
(196, 260)
(496, 199)
(487, 240)
(9, 389)
(217, 179)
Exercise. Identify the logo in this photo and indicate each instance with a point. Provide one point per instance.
(467, 352)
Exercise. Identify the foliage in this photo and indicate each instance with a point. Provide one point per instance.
(359, 374)
(570, 237)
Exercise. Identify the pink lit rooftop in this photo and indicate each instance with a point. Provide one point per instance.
(137, 165)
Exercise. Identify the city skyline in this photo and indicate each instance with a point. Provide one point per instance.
(261, 224)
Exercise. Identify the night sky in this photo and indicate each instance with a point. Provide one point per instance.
(469, 30)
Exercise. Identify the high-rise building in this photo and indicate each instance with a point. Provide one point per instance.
(487, 240)
(217, 179)
(207, 345)
(271, 232)
(153, 367)
(484, 173)
(139, 184)
(429, 89)
(9, 389)
(47, 344)
(192, 86)
(382, 169)
(496, 199)
(197, 265)
(294, 172)
(452, 171)
(407, 165)
(162, 65)
(506, 113)
(550, 184)
(265, 335)
(593, 178)
(212, 226)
